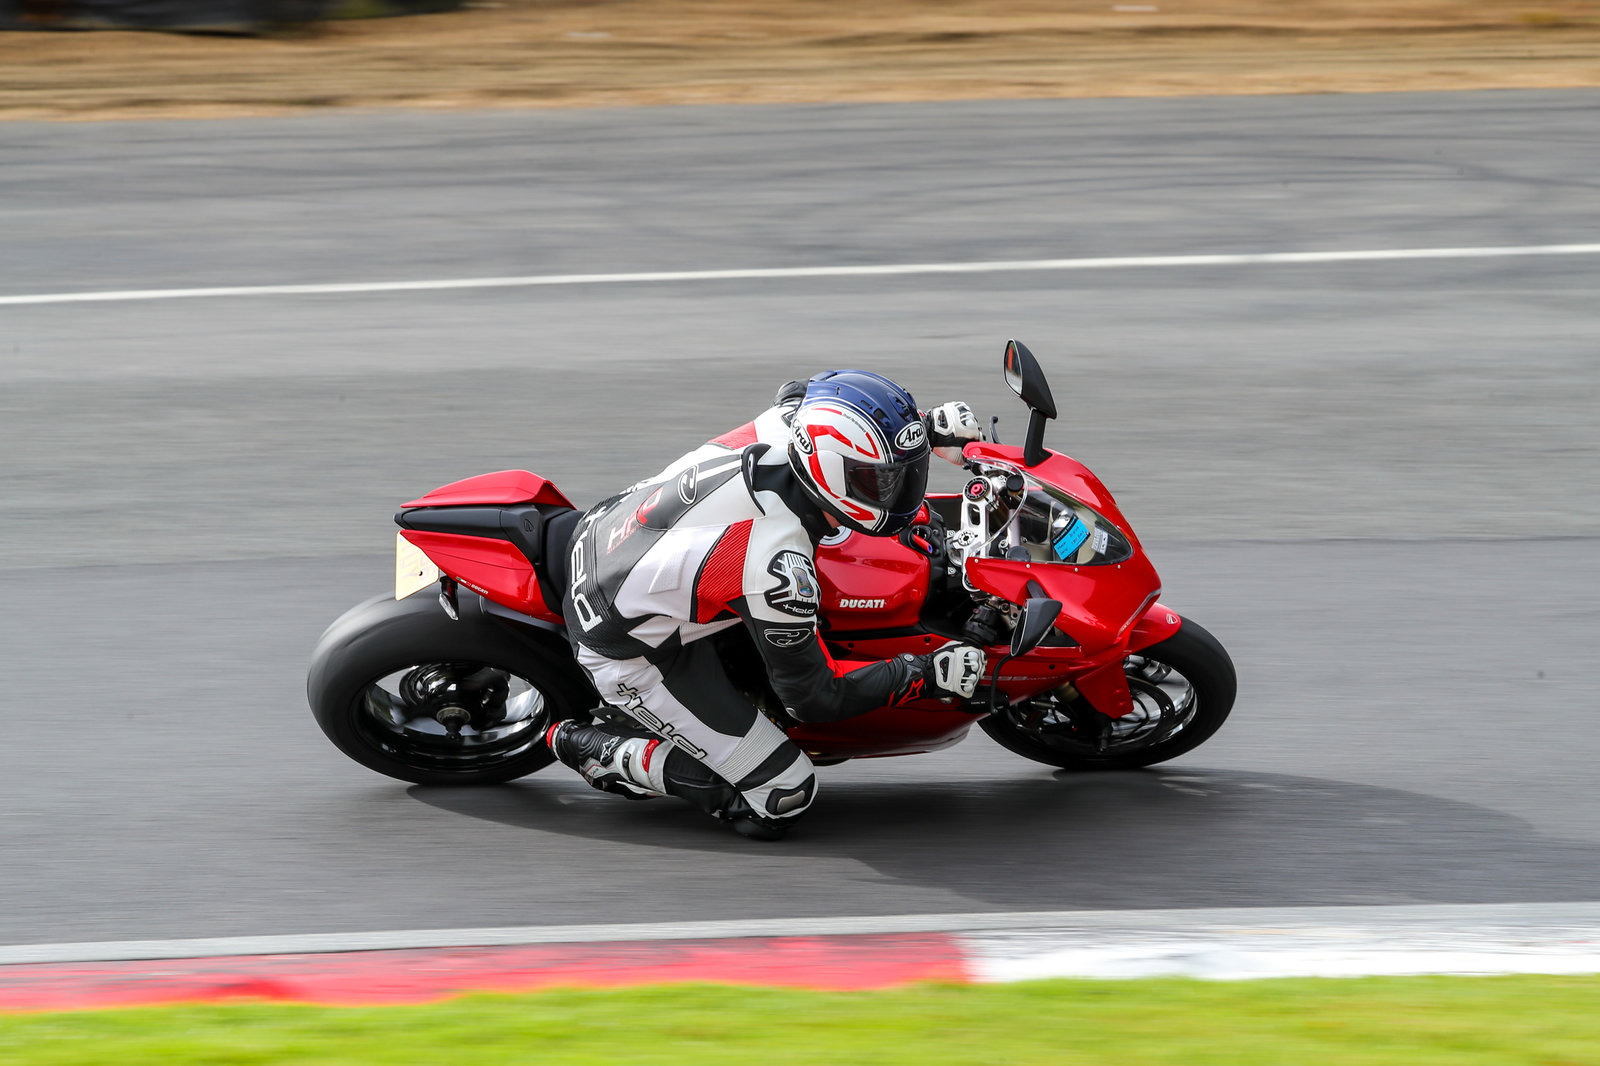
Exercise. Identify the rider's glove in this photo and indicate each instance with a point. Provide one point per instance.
(790, 392)
(950, 427)
(957, 669)
(952, 671)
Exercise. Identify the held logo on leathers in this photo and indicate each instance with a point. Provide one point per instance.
(629, 699)
(788, 638)
(688, 485)
(796, 592)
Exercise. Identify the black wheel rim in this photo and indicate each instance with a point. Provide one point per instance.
(444, 717)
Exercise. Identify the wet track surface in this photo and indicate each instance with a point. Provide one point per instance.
(1373, 482)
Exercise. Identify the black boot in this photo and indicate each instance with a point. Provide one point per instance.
(613, 758)
(639, 765)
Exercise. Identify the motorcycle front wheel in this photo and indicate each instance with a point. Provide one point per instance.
(1183, 689)
(405, 690)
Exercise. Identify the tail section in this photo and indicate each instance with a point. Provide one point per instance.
(502, 535)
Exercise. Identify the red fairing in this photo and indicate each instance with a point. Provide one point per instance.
(502, 487)
(906, 730)
(1038, 671)
(1106, 689)
(495, 569)
(1099, 604)
(911, 727)
(871, 583)
(1157, 624)
(922, 725)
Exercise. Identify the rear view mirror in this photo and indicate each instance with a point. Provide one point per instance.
(1038, 616)
(1027, 380)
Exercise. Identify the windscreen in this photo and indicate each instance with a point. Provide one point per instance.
(1052, 527)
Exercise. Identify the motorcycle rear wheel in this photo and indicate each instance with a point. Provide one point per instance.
(1183, 690)
(387, 678)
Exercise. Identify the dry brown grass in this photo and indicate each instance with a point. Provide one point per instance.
(560, 53)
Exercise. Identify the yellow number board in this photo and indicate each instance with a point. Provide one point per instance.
(412, 569)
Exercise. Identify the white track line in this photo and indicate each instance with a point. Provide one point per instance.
(760, 274)
(1256, 954)
(1026, 934)
(1538, 940)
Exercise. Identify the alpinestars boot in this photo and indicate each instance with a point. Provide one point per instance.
(613, 758)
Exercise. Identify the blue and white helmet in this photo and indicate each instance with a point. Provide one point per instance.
(860, 449)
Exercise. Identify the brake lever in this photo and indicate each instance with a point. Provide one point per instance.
(919, 538)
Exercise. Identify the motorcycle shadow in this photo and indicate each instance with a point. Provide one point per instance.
(1151, 838)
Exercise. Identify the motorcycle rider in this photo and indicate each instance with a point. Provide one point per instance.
(727, 535)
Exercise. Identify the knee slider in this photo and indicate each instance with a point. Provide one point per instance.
(789, 802)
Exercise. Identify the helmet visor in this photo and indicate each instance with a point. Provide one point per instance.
(897, 488)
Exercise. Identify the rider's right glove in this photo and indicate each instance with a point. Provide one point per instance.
(951, 672)
(950, 427)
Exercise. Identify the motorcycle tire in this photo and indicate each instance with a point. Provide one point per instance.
(1162, 727)
(380, 670)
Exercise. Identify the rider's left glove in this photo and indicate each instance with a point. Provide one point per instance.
(951, 426)
(957, 669)
(951, 672)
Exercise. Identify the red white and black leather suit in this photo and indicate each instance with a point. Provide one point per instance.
(724, 536)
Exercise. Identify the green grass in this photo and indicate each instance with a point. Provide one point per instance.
(1544, 1021)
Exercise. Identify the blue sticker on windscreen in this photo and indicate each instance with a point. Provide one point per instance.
(1069, 540)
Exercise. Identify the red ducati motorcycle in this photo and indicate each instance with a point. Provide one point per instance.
(1032, 560)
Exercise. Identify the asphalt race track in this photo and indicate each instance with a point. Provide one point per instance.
(1374, 481)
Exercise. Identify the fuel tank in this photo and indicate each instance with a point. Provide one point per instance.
(870, 583)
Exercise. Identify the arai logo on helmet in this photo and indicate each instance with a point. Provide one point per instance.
(911, 437)
(802, 439)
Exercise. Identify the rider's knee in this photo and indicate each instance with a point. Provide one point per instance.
(770, 818)
(791, 802)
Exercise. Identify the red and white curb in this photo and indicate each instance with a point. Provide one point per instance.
(829, 953)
